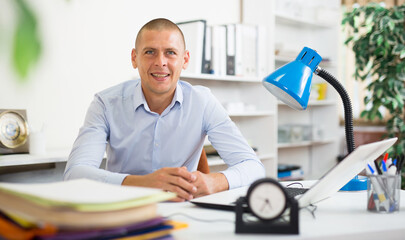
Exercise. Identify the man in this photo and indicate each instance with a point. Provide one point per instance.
(154, 128)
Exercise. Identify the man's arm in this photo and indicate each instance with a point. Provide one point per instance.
(177, 180)
(244, 167)
(89, 148)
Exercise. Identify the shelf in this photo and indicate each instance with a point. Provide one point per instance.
(253, 114)
(283, 59)
(302, 22)
(303, 144)
(28, 159)
(217, 161)
(220, 78)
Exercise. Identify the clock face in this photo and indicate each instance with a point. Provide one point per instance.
(267, 200)
(13, 129)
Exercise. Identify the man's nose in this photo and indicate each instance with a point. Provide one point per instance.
(161, 60)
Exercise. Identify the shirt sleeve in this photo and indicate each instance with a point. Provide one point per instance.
(89, 148)
(244, 167)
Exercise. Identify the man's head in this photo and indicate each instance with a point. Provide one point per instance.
(159, 24)
(160, 56)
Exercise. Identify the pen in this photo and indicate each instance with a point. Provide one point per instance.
(378, 189)
(394, 162)
(385, 157)
(373, 197)
(384, 167)
(377, 167)
(400, 163)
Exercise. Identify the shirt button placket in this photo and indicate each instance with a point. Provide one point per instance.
(156, 147)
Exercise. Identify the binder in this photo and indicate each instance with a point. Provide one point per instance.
(207, 59)
(218, 43)
(245, 50)
(230, 49)
(194, 35)
(239, 46)
(249, 51)
(261, 50)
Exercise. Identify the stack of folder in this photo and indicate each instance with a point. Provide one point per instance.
(225, 50)
(82, 209)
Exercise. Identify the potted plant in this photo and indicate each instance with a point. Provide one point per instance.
(377, 35)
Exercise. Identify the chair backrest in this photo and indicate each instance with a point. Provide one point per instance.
(203, 163)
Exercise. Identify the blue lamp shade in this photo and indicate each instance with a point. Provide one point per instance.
(291, 83)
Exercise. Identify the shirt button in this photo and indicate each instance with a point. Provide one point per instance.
(156, 144)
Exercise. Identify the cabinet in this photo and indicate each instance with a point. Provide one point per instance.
(252, 109)
(314, 24)
(292, 25)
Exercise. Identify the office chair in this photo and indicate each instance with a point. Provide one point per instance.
(203, 163)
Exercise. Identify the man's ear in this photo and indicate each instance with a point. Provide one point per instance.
(133, 58)
(186, 59)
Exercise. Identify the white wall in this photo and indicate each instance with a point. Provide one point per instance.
(86, 47)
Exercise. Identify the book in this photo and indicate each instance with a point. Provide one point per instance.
(289, 172)
(194, 35)
(81, 203)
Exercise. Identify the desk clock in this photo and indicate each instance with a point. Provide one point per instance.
(13, 131)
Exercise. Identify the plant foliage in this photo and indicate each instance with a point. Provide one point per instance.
(26, 42)
(378, 37)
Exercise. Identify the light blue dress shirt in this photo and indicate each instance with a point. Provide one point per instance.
(138, 141)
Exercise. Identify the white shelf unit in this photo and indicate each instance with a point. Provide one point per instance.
(256, 120)
(293, 31)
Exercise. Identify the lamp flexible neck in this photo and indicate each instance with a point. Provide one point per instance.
(346, 105)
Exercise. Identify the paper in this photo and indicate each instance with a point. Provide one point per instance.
(86, 195)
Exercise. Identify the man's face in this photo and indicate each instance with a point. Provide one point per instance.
(159, 57)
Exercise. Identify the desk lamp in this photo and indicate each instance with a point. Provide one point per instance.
(291, 84)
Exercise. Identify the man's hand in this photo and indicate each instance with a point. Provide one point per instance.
(209, 183)
(176, 180)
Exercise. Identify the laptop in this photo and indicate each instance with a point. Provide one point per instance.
(327, 185)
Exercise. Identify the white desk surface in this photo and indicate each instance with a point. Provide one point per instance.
(343, 216)
(28, 159)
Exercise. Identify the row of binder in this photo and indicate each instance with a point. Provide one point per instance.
(230, 49)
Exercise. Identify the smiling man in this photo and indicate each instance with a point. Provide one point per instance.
(153, 128)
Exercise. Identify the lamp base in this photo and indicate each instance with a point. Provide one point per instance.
(358, 183)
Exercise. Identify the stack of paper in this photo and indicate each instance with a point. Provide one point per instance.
(78, 205)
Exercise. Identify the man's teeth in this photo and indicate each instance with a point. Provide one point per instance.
(159, 75)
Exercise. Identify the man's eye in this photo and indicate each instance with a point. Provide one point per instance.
(171, 53)
(149, 52)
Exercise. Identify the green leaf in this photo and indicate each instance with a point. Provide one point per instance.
(384, 22)
(391, 25)
(400, 100)
(402, 54)
(394, 104)
(399, 48)
(364, 114)
(26, 47)
(379, 92)
(380, 40)
(348, 40)
(399, 14)
(374, 37)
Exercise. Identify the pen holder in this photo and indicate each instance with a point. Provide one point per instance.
(383, 193)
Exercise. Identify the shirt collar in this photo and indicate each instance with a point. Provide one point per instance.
(139, 98)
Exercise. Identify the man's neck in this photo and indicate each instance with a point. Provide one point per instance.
(158, 103)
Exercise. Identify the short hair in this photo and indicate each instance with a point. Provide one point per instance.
(159, 24)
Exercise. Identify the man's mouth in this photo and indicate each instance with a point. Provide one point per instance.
(159, 75)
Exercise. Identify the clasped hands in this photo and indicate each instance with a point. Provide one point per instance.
(187, 185)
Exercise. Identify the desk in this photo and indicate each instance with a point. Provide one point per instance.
(343, 216)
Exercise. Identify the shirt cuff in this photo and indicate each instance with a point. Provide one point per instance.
(116, 178)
